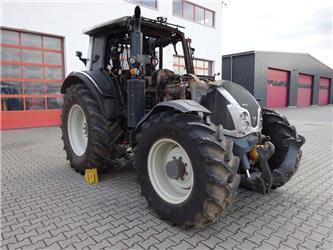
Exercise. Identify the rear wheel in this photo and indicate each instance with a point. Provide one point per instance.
(86, 133)
(187, 173)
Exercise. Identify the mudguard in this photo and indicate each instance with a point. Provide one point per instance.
(104, 89)
(184, 106)
(290, 164)
(279, 165)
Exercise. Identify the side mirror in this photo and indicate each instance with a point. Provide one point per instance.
(216, 74)
(79, 55)
(192, 51)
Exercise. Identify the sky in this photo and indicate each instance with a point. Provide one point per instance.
(303, 26)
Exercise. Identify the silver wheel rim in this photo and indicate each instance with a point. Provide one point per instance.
(77, 130)
(173, 191)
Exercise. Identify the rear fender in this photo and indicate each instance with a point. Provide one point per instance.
(183, 106)
(105, 90)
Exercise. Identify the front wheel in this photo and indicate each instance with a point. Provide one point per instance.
(187, 173)
(285, 161)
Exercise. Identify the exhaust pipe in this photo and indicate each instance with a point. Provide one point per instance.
(136, 36)
(136, 86)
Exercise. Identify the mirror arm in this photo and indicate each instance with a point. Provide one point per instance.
(79, 55)
(84, 60)
(174, 48)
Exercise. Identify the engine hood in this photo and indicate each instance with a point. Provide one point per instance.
(234, 108)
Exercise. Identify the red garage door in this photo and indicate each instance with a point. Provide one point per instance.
(324, 87)
(32, 70)
(277, 88)
(304, 90)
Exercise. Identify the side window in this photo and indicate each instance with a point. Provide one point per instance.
(98, 53)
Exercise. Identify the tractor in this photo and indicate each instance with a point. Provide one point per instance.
(193, 140)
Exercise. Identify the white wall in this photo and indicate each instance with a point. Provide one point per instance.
(69, 19)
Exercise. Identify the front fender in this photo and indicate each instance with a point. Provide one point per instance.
(184, 106)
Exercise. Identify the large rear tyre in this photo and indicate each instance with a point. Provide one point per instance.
(86, 133)
(285, 161)
(187, 172)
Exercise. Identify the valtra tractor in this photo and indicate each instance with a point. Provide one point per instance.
(192, 139)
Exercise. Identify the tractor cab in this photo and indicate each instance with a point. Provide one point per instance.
(134, 46)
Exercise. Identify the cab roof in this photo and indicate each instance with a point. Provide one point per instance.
(122, 24)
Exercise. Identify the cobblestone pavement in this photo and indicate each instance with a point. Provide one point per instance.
(45, 204)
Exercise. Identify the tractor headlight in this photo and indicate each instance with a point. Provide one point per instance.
(154, 61)
(245, 125)
(244, 116)
(245, 121)
(132, 60)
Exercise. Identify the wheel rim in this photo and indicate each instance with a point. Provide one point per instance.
(77, 130)
(174, 191)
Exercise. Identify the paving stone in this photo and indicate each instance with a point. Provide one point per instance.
(45, 204)
(240, 236)
(39, 245)
(39, 237)
(274, 241)
(316, 237)
(167, 243)
(20, 244)
(69, 241)
(291, 242)
(51, 240)
(201, 247)
(132, 240)
(327, 244)
(119, 237)
(246, 244)
(182, 246)
(257, 238)
(148, 243)
(82, 244)
(310, 244)
(211, 242)
(265, 246)
(163, 235)
(229, 243)
(29, 234)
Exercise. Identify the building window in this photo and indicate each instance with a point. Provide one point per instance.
(148, 3)
(32, 70)
(201, 67)
(193, 12)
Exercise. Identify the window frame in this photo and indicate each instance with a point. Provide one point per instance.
(194, 6)
(19, 62)
(209, 67)
(141, 3)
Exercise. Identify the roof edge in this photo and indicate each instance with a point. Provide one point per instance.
(274, 52)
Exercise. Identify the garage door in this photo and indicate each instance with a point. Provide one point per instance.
(277, 88)
(304, 90)
(324, 87)
(32, 70)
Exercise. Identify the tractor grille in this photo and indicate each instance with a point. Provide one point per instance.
(217, 104)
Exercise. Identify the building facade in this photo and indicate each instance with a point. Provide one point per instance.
(39, 40)
(278, 79)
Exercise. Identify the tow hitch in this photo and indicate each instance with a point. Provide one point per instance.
(261, 182)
